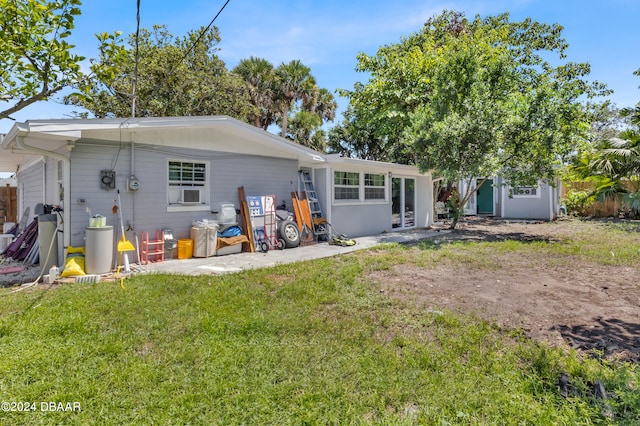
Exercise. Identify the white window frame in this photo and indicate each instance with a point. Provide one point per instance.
(524, 188)
(383, 187)
(346, 186)
(361, 188)
(174, 188)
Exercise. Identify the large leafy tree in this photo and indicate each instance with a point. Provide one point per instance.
(358, 138)
(633, 114)
(606, 120)
(478, 98)
(175, 76)
(36, 61)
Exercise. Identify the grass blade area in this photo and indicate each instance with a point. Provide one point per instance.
(297, 344)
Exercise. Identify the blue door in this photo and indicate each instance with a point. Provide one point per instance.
(485, 197)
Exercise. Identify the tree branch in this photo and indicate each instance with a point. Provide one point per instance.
(22, 103)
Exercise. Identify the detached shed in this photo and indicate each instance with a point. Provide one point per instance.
(497, 198)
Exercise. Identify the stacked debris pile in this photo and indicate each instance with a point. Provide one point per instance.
(19, 261)
(17, 273)
(25, 246)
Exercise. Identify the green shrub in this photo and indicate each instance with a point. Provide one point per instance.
(577, 201)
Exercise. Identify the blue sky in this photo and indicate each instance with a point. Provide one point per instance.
(327, 35)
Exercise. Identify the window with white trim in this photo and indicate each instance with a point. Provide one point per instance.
(188, 186)
(374, 186)
(346, 185)
(359, 187)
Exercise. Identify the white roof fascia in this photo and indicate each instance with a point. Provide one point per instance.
(72, 129)
(57, 133)
(17, 128)
(336, 159)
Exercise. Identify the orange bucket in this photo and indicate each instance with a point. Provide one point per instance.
(185, 249)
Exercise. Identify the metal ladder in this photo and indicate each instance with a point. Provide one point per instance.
(320, 226)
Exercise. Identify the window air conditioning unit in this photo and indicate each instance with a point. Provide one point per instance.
(190, 196)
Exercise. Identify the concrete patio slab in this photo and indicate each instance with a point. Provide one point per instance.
(244, 261)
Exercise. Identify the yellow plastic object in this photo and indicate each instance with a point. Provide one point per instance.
(121, 278)
(185, 249)
(74, 263)
(124, 245)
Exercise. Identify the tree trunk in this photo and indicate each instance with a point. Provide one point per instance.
(462, 200)
(285, 122)
(454, 222)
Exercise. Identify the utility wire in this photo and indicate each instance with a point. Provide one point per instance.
(203, 32)
(135, 70)
(193, 45)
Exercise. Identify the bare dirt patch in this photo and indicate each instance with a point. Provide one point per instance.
(587, 306)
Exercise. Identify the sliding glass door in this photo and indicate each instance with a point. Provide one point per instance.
(403, 195)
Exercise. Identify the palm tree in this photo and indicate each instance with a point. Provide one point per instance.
(259, 74)
(305, 126)
(613, 164)
(620, 158)
(322, 103)
(277, 92)
(615, 167)
(295, 83)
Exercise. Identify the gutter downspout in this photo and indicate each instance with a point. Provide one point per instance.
(66, 185)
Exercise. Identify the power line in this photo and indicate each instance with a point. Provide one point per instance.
(202, 33)
(193, 45)
(135, 70)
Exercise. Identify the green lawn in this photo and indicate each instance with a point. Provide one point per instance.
(310, 343)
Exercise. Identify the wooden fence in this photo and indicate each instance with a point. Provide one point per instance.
(8, 205)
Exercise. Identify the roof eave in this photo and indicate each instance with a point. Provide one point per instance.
(357, 162)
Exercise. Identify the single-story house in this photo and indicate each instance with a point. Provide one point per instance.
(497, 198)
(172, 171)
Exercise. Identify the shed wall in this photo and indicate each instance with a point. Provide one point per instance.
(528, 208)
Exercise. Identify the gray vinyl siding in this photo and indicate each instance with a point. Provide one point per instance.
(361, 219)
(52, 184)
(356, 220)
(146, 208)
(353, 219)
(31, 188)
(258, 175)
(323, 193)
(529, 208)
